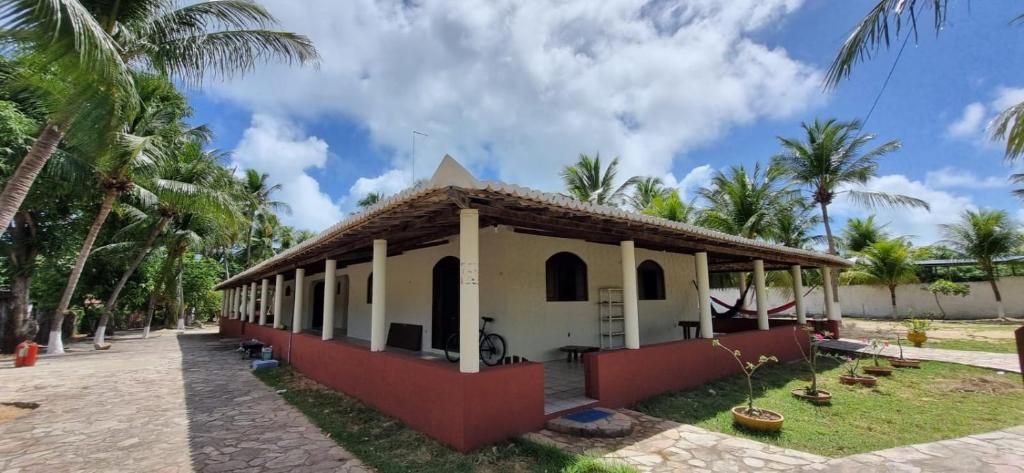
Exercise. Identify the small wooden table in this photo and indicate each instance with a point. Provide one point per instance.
(575, 352)
(687, 325)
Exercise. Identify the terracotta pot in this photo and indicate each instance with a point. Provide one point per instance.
(917, 338)
(905, 363)
(756, 423)
(862, 380)
(878, 370)
(822, 397)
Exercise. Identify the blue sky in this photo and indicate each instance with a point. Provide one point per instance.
(516, 90)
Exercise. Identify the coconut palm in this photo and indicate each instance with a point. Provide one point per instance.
(885, 23)
(587, 181)
(793, 224)
(99, 43)
(670, 207)
(742, 203)
(862, 233)
(984, 235)
(645, 191)
(370, 199)
(885, 263)
(258, 192)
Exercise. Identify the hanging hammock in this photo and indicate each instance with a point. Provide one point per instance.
(736, 309)
(730, 311)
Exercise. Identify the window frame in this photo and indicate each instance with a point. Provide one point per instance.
(652, 267)
(555, 273)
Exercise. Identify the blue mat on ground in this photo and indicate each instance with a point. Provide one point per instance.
(589, 415)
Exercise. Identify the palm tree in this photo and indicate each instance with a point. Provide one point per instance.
(900, 17)
(645, 191)
(862, 233)
(742, 203)
(670, 207)
(793, 223)
(257, 191)
(984, 235)
(828, 161)
(370, 199)
(587, 181)
(886, 263)
(97, 42)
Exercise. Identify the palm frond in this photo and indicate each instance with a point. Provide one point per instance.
(871, 199)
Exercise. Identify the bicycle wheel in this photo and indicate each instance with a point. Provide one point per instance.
(492, 349)
(451, 348)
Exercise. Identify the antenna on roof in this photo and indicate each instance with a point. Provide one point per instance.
(414, 133)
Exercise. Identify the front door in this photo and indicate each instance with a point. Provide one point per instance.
(446, 301)
(318, 306)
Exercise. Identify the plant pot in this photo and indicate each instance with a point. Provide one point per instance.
(917, 338)
(822, 396)
(768, 421)
(905, 363)
(878, 370)
(861, 380)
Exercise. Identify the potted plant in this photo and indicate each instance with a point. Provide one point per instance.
(812, 393)
(853, 377)
(903, 362)
(916, 329)
(749, 416)
(876, 368)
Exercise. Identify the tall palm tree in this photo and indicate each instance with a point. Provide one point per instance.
(984, 235)
(794, 223)
(186, 183)
(742, 203)
(828, 161)
(886, 263)
(862, 233)
(587, 181)
(370, 199)
(645, 191)
(670, 207)
(99, 42)
(258, 192)
(889, 19)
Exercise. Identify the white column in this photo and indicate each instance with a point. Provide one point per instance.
(798, 294)
(630, 304)
(330, 289)
(300, 276)
(264, 295)
(826, 287)
(236, 295)
(252, 303)
(223, 302)
(278, 300)
(704, 295)
(378, 332)
(469, 291)
(762, 295)
(232, 303)
(243, 304)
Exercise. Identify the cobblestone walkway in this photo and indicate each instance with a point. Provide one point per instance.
(166, 404)
(659, 445)
(996, 361)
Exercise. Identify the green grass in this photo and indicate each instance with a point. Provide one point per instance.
(992, 346)
(912, 406)
(387, 445)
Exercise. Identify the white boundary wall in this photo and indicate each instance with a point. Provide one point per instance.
(873, 301)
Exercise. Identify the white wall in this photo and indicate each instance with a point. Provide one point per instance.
(873, 301)
(513, 291)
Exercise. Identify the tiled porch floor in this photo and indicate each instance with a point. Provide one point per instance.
(564, 386)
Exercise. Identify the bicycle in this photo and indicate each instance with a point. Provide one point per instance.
(492, 346)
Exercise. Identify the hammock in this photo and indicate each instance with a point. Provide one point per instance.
(730, 312)
(734, 309)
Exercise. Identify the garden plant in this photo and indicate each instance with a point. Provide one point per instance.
(750, 416)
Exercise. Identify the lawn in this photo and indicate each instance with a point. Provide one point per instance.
(387, 445)
(938, 401)
(972, 335)
(992, 346)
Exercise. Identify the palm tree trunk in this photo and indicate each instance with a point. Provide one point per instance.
(995, 290)
(248, 241)
(56, 342)
(941, 310)
(892, 300)
(108, 310)
(25, 175)
(150, 308)
(831, 250)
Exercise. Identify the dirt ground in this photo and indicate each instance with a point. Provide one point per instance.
(942, 330)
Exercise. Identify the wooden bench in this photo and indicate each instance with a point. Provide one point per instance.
(575, 352)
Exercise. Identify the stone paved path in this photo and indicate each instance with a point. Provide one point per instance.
(166, 404)
(996, 361)
(658, 445)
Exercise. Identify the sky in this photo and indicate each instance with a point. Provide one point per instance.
(515, 90)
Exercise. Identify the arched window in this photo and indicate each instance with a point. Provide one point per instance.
(287, 291)
(566, 277)
(650, 281)
(369, 289)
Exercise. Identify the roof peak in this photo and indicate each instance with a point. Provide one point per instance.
(452, 174)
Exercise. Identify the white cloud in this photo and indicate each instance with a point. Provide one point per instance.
(281, 149)
(1007, 97)
(920, 224)
(520, 88)
(950, 177)
(695, 179)
(389, 183)
(970, 123)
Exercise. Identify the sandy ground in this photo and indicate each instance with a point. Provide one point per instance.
(943, 330)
